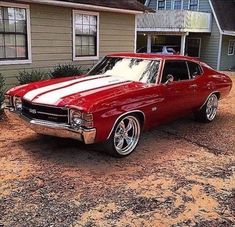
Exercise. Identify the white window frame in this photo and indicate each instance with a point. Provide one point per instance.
(87, 58)
(229, 43)
(29, 46)
(181, 7)
(157, 5)
(189, 1)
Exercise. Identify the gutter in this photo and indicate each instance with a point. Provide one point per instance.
(82, 6)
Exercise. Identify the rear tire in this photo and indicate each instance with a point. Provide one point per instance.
(208, 111)
(124, 137)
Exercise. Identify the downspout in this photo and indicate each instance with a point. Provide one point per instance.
(219, 52)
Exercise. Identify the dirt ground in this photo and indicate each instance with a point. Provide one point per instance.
(182, 174)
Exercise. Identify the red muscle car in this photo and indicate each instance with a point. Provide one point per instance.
(120, 97)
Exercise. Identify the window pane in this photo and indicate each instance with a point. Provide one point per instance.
(78, 50)
(9, 25)
(85, 40)
(10, 52)
(2, 54)
(1, 19)
(161, 4)
(78, 40)
(20, 14)
(92, 50)
(86, 19)
(78, 29)
(177, 4)
(1, 26)
(1, 40)
(92, 20)
(85, 29)
(92, 30)
(85, 50)
(92, 41)
(21, 52)
(20, 40)
(10, 40)
(21, 26)
(78, 19)
(9, 13)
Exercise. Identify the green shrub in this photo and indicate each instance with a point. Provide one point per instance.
(66, 71)
(2, 91)
(33, 76)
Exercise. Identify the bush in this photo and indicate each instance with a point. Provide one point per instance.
(66, 71)
(33, 76)
(2, 91)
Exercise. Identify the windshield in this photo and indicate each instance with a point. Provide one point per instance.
(135, 69)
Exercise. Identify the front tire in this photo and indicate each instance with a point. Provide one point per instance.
(208, 111)
(125, 136)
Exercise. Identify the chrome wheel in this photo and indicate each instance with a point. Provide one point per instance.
(126, 135)
(211, 107)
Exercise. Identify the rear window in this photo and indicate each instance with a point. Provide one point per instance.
(194, 69)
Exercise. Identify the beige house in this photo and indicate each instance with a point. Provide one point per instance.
(40, 34)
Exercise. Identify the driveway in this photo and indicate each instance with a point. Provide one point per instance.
(182, 174)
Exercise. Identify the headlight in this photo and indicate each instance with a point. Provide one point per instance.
(18, 104)
(78, 119)
(7, 100)
(75, 118)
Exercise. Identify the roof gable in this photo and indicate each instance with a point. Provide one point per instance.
(225, 13)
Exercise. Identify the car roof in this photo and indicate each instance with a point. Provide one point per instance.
(153, 56)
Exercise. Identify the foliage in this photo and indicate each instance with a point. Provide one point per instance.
(2, 91)
(33, 76)
(66, 70)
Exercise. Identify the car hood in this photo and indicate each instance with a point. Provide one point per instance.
(82, 93)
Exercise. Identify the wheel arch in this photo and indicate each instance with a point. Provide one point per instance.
(217, 93)
(139, 113)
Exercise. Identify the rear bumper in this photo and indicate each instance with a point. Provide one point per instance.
(53, 129)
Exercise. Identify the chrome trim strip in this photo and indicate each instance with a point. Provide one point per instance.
(51, 114)
(133, 111)
(208, 98)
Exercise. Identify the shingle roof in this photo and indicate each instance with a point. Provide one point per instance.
(119, 4)
(225, 13)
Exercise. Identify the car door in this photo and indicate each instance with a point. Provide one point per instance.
(178, 93)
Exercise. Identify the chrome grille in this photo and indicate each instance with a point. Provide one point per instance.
(46, 113)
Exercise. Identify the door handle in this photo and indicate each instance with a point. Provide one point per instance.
(193, 86)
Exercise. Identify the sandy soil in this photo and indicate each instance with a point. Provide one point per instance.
(182, 174)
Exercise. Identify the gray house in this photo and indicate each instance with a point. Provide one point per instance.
(199, 28)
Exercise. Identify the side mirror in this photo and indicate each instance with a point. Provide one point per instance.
(170, 79)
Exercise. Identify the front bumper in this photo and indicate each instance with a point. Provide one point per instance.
(54, 129)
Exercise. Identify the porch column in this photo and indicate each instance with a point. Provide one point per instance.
(149, 43)
(182, 44)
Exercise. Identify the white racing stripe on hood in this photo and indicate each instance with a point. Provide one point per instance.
(53, 97)
(34, 93)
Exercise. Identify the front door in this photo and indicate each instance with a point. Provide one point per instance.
(180, 92)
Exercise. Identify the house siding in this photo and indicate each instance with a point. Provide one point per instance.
(209, 46)
(227, 61)
(52, 39)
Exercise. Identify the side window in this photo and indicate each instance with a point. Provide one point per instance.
(178, 69)
(194, 69)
